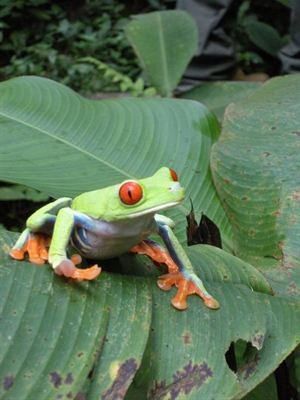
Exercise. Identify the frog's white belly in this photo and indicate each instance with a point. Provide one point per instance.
(102, 239)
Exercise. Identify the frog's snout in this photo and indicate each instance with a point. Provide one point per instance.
(177, 189)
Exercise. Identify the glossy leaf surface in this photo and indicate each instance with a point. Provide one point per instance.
(54, 140)
(218, 95)
(256, 172)
(164, 42)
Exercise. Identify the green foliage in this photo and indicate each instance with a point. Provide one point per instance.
(287, 3)
(21, 192)
(125, 339)
(126, 84)
(257, 39)
(56, 34)
(165, 42)
(217, 95)
(264, 36)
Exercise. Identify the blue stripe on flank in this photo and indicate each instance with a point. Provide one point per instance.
(163, 231)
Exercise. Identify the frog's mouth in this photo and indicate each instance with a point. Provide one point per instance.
(153, 210)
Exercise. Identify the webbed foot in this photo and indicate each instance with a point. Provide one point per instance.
(186, 287)
(67, 268)
(156, 253)
(36, 246)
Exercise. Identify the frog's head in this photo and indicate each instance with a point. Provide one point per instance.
(134, 198)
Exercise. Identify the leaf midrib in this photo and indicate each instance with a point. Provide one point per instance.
(71, 145)
(162, 49)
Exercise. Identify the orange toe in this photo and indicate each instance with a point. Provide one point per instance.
(165, 282)
(36, 260)
(156, 253)
(68, 269)
(87, 274)
(76, 259)
(185, 288)
(17, 254)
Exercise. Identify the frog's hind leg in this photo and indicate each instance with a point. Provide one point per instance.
(157, 253)
(34, 244)
(35, 239)
(185, 279)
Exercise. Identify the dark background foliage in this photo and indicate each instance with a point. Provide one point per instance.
(47, 38)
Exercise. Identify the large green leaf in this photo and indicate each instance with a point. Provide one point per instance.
(164, 42)
(87, 339)
(62, 144)
(217, 95)
(55, 334)
(55, 141)
(255, 165)
(185, 358)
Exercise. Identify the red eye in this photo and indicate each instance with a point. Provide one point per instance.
(130, 193)
(173, 175)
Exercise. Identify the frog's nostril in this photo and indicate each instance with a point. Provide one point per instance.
(174, 187)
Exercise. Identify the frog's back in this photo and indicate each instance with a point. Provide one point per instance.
(91, 203)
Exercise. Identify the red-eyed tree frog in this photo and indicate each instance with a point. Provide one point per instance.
(106, 223)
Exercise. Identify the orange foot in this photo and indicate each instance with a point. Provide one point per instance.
(156, 253)
(37, 248)
(185, 288)
(67, 268)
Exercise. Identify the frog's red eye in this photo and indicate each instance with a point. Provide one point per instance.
(174, 176)
(130, 193)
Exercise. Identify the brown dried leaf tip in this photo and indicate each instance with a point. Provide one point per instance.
(206, 232)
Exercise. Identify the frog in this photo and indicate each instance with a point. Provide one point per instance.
(111, 221)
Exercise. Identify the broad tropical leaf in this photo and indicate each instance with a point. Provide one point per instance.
(62, 144)
(55, 334)
(255, 166)
(164, 42)
(185, 358)
(56, 141)
(87, 339)
(217, 95)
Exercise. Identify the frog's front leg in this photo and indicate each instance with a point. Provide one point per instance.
(32, 240)
(64, 224)
(185, 279)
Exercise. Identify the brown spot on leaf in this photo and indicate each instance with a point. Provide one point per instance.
(252, 232)
(293, 289)
(250, 367)
(245, 198)
(8, 382)
(258, 340)
(69, 395)
(266, 153)
(55, 379)
(184, 381)
(187, 339)
(227, 181)
(124, 376)
(297, 133)
(287, 268)
(295, 196)
(276, 213)
(69, 379)
(80, 396)
(80, 354)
